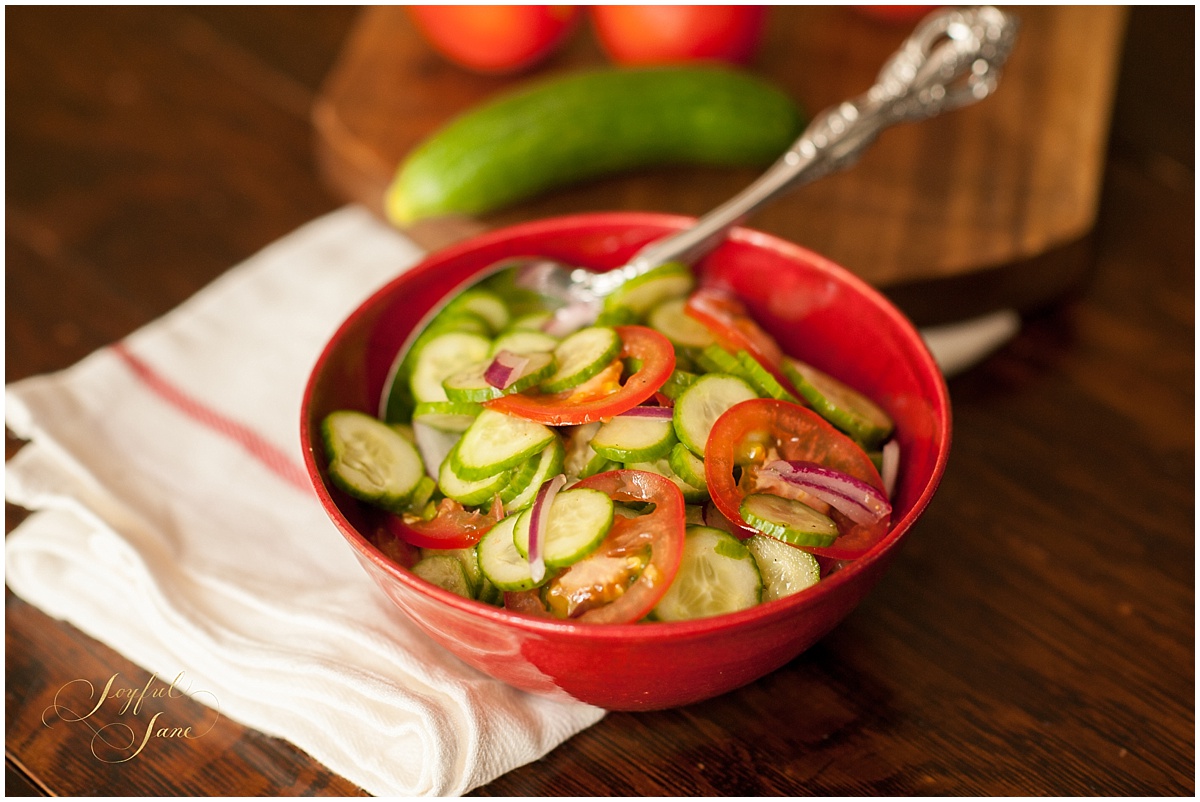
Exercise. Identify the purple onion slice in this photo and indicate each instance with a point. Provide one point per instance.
(505, 369)
(862, 503)
(652, 413)
(539, 517)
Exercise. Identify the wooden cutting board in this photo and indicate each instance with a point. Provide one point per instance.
(987, 206)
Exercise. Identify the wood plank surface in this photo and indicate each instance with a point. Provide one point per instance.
(988, 187)
(1035, 637)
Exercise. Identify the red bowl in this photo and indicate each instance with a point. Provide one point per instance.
(819, 313)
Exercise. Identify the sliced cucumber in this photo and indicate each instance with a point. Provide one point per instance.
(447, 416)
(468, 558)
(840, 404)
(788, 520)
(762, 379)
(683, 330)
(717, 575)
(662, 466)
(581, 356)
(631, 439)
(369, 459)
(530, 321)
(469, 493)
(677, 382)
(471, 384)
(496, 442)
(485, 304)
(442, 357)
(687, 466)
(445, 571)
(785, 569)
(500, 561)
(524, 342)
(579, 520)
(546, 464)
(705, 400)
(715, 359)
(663, 283)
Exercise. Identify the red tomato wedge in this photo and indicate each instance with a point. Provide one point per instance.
(735, 330)
(660, 531)
(453, 527)
(656, 357)
(795, 433)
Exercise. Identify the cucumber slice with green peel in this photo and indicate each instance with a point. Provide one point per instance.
(717, 575)
(762, 380)
(581, 356)
(616, 316)
(471, 384)
(715, 359)
(447, 416)
(788, 520)
(468, 558)
(579, 520)
(467, 492)
(442, 357)
(545, 465)
(705, 400)
(840, 404)
(677, 382)
(524, 342)
(683, 330)
(370, 460)
(663, 283)
(530, 321)
(633, 439)
(483, 303)
(489, 593)
(499, 560)
(785, 569)
(691, 493)
(687, 466)
(446, 572)
(578, 444)
(496, 442)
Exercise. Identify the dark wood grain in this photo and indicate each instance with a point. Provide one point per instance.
(982, 190)
(1035, 637)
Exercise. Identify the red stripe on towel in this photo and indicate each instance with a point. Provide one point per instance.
(255, 444)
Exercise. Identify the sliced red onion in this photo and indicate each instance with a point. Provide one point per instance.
(889, 466)
(653, 413)
(860, 502)
(505, 369)
(539, 516)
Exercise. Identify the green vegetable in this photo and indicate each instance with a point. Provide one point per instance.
(585, 124)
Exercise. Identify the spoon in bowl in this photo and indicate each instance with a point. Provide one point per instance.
(952, 59)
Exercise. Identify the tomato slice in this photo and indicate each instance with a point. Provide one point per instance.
(724, 315)
(453, 527)
(656, 358)
(749, 431)
(604, 572)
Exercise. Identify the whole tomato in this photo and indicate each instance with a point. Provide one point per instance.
(495, 39)
(663, 34)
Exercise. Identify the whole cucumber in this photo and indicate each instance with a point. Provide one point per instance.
(590, 123)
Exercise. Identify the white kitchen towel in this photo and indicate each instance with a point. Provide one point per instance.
(172, 521)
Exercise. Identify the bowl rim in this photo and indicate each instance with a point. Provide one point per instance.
(764, 613)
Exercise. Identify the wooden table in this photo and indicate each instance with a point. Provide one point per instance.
(1036, 635)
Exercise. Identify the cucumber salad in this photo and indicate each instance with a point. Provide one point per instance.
(666, 462)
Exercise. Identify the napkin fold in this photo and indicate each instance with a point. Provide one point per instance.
(172, 520)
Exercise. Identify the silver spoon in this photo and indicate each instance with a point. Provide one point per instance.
(952, 59)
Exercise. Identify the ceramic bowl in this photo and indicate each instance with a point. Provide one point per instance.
(818, 311)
